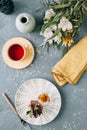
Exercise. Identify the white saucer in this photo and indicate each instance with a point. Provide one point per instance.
(21, 63)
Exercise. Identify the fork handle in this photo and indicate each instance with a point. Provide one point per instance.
(9, 102)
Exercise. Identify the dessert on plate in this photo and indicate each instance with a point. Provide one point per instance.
(36, 106)
(35, 109)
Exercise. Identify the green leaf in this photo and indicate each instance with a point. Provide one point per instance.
(59, 45)
(84, 7)
(47, 25)
(60, 6)
(65, 50)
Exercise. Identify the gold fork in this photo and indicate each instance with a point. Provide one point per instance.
(26, 125)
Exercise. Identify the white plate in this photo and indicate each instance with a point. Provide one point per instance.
(30, 90)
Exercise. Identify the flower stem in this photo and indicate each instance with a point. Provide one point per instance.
(60, 6)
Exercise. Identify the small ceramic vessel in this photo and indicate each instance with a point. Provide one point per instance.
(25, 22)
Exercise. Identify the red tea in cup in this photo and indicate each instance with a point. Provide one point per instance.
(16, 52)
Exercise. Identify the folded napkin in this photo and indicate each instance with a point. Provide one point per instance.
(72, 65)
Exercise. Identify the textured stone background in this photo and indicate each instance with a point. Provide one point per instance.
(73, 114)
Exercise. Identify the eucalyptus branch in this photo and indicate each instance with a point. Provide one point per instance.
(62, 22)
(59, 6)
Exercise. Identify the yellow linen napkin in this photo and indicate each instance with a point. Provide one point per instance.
(72, 65)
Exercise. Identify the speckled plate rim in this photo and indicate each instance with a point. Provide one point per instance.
(32, 122)
(29, 53)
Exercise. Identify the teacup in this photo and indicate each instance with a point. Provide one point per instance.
(16, 52)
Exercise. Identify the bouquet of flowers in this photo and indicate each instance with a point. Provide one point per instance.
(61, 22)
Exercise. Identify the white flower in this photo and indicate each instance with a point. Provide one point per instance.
(65, 24)
(49, 13)
(45, 41)
(50, 41)
(45, 22)
(57, 1)
(48, 33)
(53, 27)
(41, 33)
(57, 39)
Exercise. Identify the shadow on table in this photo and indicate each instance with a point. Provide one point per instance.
(20, 7)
